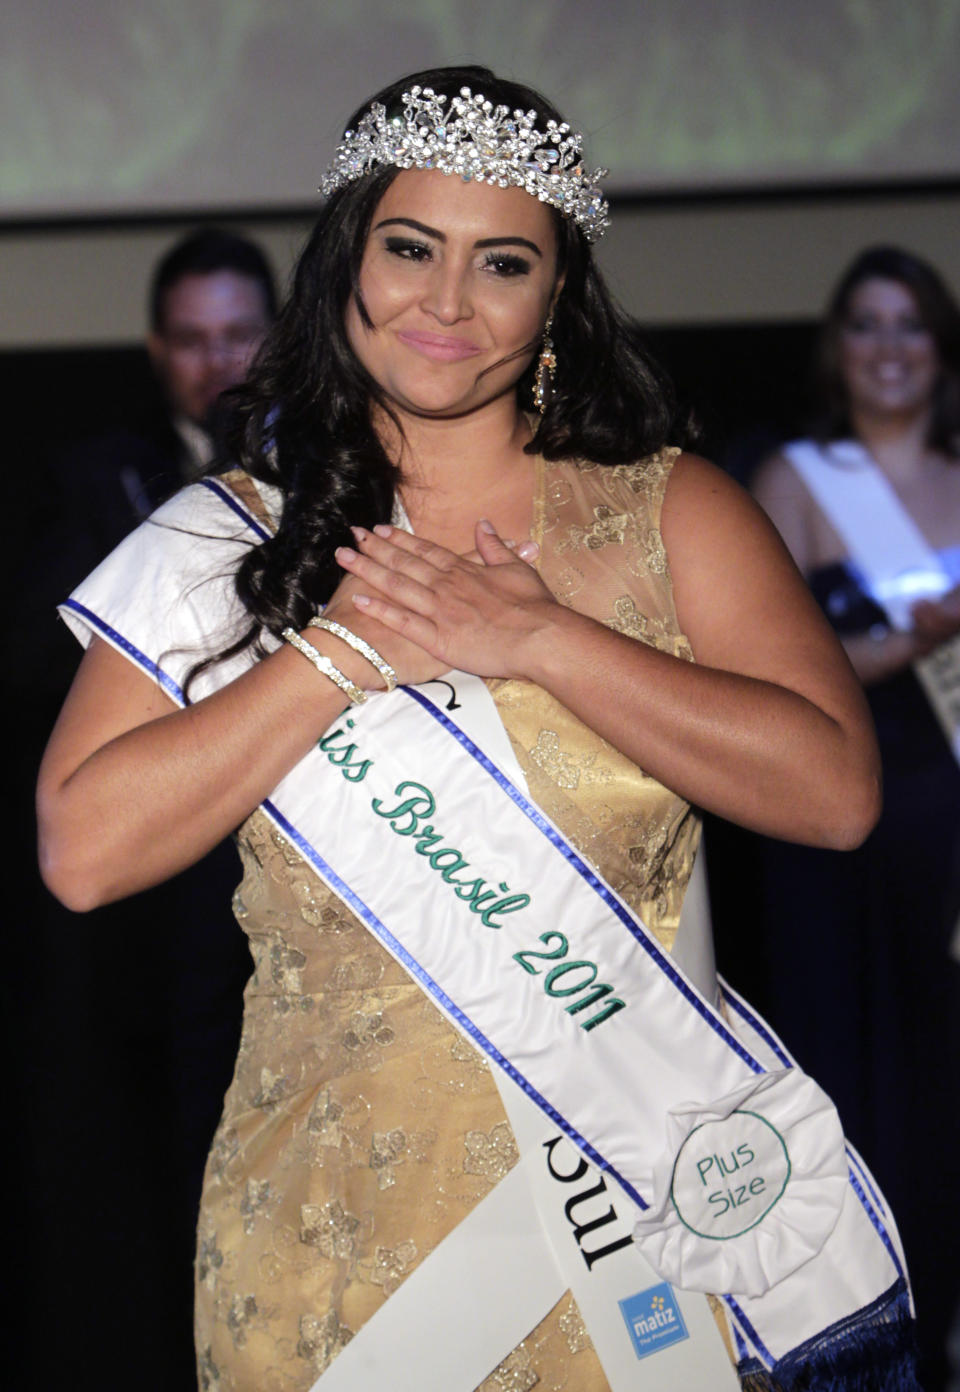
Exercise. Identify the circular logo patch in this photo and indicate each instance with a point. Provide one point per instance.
(728, 1175)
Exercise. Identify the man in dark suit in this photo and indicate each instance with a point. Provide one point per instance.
(211, 300)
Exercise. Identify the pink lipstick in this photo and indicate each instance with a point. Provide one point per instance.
(439, 347)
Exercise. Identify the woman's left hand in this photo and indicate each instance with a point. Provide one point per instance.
(936, 621)
(480, 613)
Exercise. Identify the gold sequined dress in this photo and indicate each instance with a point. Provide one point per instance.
(360, 1127)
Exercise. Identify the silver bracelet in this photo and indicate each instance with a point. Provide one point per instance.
(359, 646)
(324, 666)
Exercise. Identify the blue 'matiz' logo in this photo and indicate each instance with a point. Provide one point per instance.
(654, 1320)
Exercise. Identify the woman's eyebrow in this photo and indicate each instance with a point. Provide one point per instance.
(509, 241)
(441, 236)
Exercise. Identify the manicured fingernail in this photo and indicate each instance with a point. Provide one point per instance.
(358, 532)
(344, 553)
(361, 600)
(382, 530)
(486, 526)
(528, 550)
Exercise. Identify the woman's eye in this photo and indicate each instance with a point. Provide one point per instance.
(867, 325)
(409, 250)
(505, 263)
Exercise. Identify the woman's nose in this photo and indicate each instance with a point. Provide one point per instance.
(890, 335)
(447, 295)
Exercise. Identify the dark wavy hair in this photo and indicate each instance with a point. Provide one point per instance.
(939, 315)
(302, 421)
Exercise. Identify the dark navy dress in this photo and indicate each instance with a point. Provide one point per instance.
(862, 982)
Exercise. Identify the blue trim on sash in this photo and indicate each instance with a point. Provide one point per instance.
(873, 1206)
(345, 892)
(149, 666)
(875, 1218)
(583, 870)
(857, 1162)
(742, 1350)
(750, 1332)
(234, 504)
(759, 1026)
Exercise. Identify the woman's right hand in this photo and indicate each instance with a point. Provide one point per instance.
(411, 663)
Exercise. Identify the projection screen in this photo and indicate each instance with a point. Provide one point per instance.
(118, 107)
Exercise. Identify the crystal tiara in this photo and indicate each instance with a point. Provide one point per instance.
(477, 140)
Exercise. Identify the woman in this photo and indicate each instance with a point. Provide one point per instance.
(870, 509)
(394, 476)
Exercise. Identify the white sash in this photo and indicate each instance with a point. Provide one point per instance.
(543, 1210)
(899, 565)
(733, 1159)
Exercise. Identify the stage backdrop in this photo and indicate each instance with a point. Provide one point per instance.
(113, 107)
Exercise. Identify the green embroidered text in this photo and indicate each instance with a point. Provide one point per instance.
(407, 819)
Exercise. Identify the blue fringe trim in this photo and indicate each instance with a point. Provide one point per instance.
(871, 1351)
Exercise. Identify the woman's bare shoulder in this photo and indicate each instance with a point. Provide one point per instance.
(735, 584)
(708, 517)
(697, 489)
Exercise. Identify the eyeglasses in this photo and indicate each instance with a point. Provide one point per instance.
(233, 342)
(868, 327)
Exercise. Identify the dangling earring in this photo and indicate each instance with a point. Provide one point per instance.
(546, 369)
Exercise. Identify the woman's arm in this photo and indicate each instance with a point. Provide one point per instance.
(769, 728)
(782, 494)
(132, 789)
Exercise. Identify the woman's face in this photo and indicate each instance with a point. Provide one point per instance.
(457, 279)
(888, 356)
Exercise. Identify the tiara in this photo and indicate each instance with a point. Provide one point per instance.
(477, 140)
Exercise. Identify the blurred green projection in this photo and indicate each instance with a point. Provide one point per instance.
(192, 103)
(111, 94)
